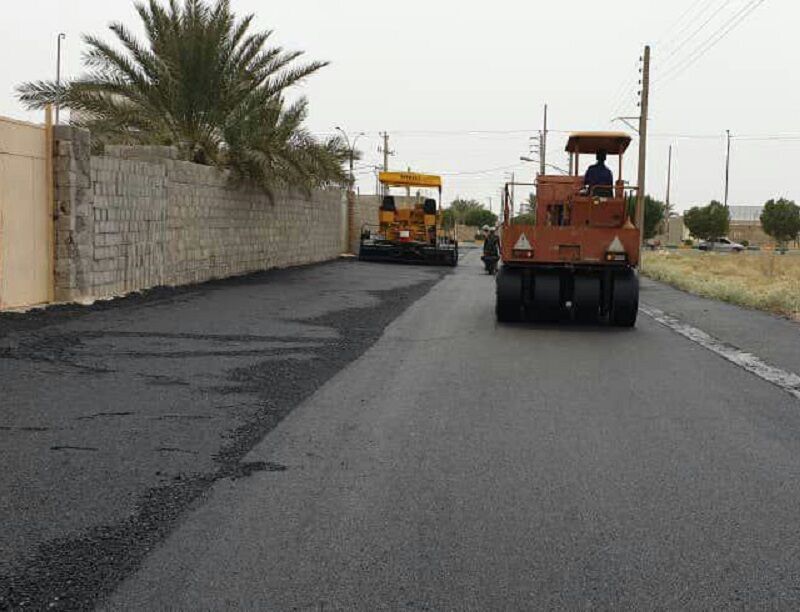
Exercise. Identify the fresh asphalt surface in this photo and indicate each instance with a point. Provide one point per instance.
(115, 419)
(438, 461)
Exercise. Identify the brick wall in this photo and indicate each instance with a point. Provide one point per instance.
(138, 218)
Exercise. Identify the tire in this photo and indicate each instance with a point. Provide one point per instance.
(508, 308)
(586, 297)
(546, 306)
(625, 308)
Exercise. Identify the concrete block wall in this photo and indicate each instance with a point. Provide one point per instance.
(137, 218)
(366, 213)
(74, 214)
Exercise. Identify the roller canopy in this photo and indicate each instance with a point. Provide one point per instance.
(613, 143)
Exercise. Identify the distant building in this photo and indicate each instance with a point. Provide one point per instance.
(746, 214)
(746, 226)
(673, 232)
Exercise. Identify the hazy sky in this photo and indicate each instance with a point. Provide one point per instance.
(460, 86)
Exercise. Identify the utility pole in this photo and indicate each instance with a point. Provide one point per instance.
(386, 153)
(669, 175)
(377, 171)
(61, 37)
(513, 193)
(727, 168)
(351, 188)
(668, 207)
(543, 151)
(643, 116)
(351, 147)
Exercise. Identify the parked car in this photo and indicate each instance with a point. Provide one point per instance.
(721, 244)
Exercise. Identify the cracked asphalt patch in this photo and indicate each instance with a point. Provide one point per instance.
(116, 419)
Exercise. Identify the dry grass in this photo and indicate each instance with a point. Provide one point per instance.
(765, 281)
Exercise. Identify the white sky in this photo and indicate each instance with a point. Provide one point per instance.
(419, 68)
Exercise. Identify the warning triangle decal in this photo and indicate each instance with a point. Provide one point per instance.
(523, 244)
(616, 246)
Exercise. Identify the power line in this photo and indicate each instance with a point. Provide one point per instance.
(686, 136)
(711, 41)
(462, 132)
(697, 31)
(624, 90)
(683, 28)
(487, 171)
(468, 173)
(769, 138)
(626, 93)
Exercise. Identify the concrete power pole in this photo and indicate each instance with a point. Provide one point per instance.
(386, 153)
(645, 103)
(543, 148)
(669, 175)
(668, 206)
(513, 193)
(727, 168)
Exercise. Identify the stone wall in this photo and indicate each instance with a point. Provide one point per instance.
(138, 218)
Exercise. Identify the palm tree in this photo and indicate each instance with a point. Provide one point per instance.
(206, 83)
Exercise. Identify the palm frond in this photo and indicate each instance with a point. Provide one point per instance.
(205, 81)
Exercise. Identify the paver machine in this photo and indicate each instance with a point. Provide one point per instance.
(579, 260)
(409, 229)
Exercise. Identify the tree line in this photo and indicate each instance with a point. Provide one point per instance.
(780, 220)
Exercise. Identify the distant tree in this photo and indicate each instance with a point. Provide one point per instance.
(781, 220)
(467, 212)
(529, 205)
(461, 208)
(448, 219)
(654, 212)
(708, 222)
(524, 219)
(480, 217)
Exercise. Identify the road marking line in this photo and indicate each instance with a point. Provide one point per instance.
(788, 381)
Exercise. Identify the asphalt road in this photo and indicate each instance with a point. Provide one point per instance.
(457, 464)
(116, 419)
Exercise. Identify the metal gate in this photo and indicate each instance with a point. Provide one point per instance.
(26, 222)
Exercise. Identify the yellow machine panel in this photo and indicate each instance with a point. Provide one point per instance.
(409, 231)
(410, 179)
